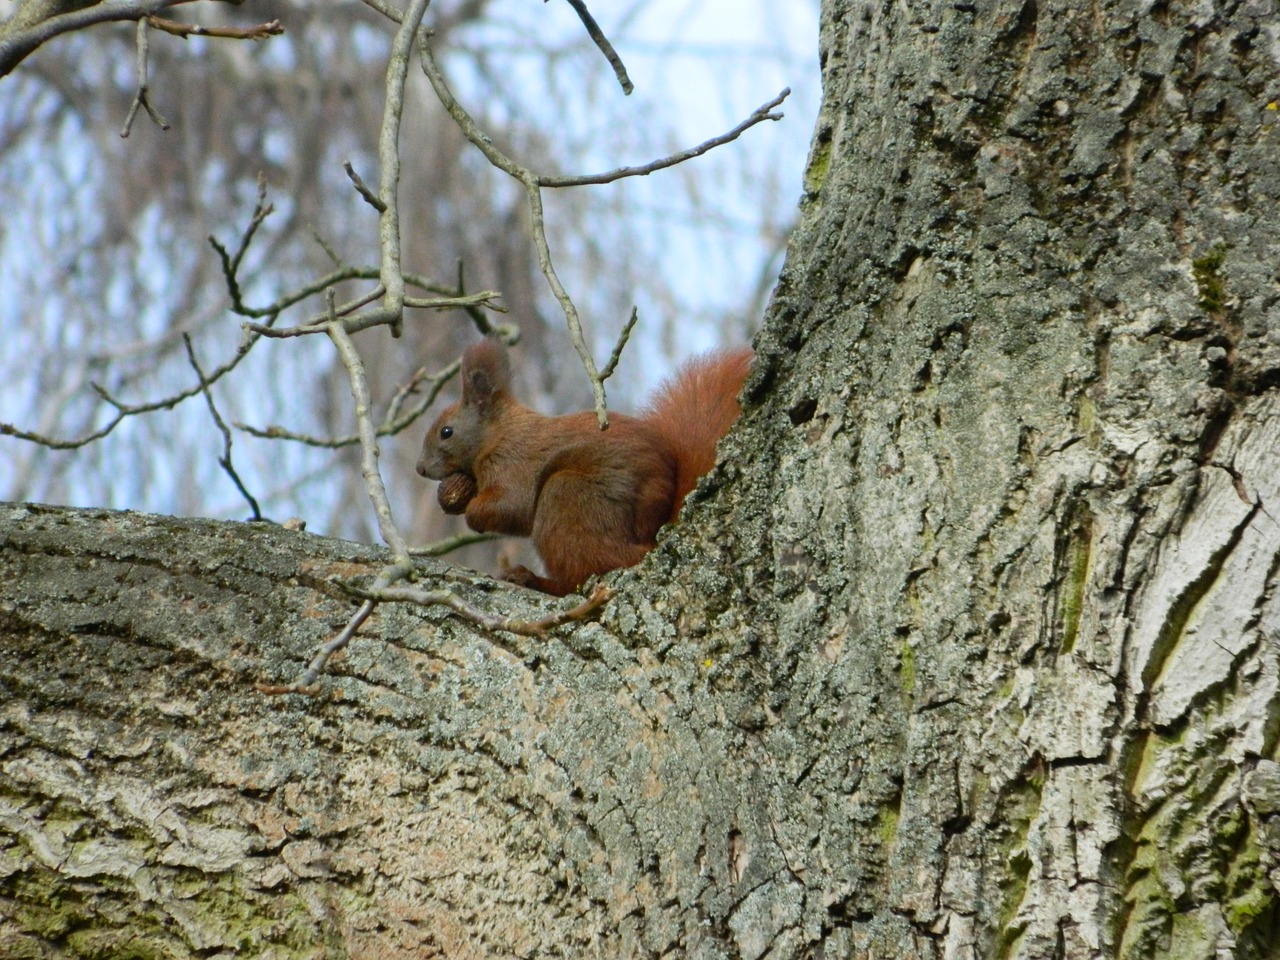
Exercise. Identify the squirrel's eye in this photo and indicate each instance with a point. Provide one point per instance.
(446, 433)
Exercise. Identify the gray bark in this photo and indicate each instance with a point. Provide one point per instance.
(972, 653)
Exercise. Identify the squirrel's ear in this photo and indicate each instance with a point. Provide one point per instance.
(486, 372)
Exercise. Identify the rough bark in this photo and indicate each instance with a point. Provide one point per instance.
(973, 653)
(1028, 343)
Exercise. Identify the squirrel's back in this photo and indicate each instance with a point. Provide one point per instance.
(694, 409)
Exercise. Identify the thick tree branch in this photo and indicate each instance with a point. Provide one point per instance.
(37, 23)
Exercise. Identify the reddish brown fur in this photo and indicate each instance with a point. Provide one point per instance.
(591, 500)
(695, 409)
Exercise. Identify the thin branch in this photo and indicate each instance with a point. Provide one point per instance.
(369, 444)
(359, 302)
(271, 310)
(386, 9)
(393, 422)
(231, 262)
(306, 683)
(383, 592)
(324, 245)
(231, 266)
(224, 461)
(389, 158)
(524, 628)
(125, 410)
(402, 563)
(261, 31)
(600, 40)
(369, 196)
(450, 544)
(607, 372)
(410, 388)
(759, 115)
(475, 313)
(576, 336)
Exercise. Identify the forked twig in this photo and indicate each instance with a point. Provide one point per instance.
(140, 99)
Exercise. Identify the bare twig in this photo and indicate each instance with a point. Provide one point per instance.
(600, 40)
(369, 196)
(231, 266)
(231, 262)
(525, 628)
(323, 244)
(369, 444)
(380, 592)
(224, 461)
(261, 31)
(306, 683)
(607, 372)
(387, 10)
(450, 544)
(576, 336)
(141, 99)
(393, 421)
(402, 564)
(759, 115)
(475, 313)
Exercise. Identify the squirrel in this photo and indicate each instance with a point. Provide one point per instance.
(591, 499)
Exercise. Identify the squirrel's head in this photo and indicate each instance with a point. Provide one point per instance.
(456, 437)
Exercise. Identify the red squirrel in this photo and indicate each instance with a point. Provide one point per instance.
(591, 499)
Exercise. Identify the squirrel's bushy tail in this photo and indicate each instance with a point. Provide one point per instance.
(694, 409)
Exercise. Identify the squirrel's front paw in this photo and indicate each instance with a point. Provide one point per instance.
(522, 576)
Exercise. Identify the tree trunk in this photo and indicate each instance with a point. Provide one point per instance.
(973, 653)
